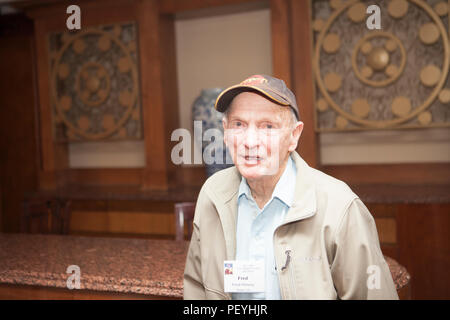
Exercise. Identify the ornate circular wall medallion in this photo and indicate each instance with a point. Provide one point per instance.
(378, 57)
(396, 77)
(95, 82)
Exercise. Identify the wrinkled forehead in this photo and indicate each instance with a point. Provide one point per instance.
(255, 105)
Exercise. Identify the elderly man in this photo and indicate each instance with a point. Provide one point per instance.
(271, 227)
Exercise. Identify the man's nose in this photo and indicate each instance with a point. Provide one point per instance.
(251, 139)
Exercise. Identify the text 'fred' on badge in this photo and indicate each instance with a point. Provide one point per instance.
(243, 276)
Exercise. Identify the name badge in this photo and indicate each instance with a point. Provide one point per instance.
(243, 276)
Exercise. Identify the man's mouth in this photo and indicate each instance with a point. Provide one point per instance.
(253, 159)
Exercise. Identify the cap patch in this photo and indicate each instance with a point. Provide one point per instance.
(256, 79)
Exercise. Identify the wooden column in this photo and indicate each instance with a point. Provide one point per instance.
(154, 174)
(281, 40)
(54, 157)
(18, 155)
(292, 62)
(303, 84)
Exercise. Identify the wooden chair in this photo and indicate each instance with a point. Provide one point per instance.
(184, 215)
(46, 216)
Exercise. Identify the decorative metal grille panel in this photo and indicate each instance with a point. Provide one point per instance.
(391, 78)
(95, 84)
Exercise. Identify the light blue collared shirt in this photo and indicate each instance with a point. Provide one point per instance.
(255, 228)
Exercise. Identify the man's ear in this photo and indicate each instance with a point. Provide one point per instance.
(295, 135)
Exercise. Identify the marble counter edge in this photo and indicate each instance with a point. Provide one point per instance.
(95, 283)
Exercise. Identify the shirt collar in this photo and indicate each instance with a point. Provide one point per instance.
(244, 189)
(284, 189)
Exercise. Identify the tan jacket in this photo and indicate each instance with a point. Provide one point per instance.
(332, 238)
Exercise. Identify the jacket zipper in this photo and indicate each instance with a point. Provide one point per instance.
(291, 279)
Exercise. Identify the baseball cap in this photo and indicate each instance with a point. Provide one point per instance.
(272, 88)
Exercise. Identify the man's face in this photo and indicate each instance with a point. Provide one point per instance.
(260, 134)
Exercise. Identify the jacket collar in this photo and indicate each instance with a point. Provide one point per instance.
(225, 196)
(305, 204)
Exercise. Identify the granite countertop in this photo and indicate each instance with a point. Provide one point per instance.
(399, 273)
(142, 266)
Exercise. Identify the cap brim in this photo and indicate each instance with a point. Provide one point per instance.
(225, 98)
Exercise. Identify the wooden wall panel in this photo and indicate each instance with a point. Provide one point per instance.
(292, 56)
(424, 247)
(281, 40)
(54, 156)
(385, 216)
(401, 173)
(303, 84)
(174, 6)
(108, 176)
(123, 222)
(18, 150)
(169, 90)
(123, 218)
(152, 97)
(387, 230)
(1, 207)
(416, 235)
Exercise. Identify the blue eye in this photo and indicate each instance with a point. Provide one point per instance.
(237, 124)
